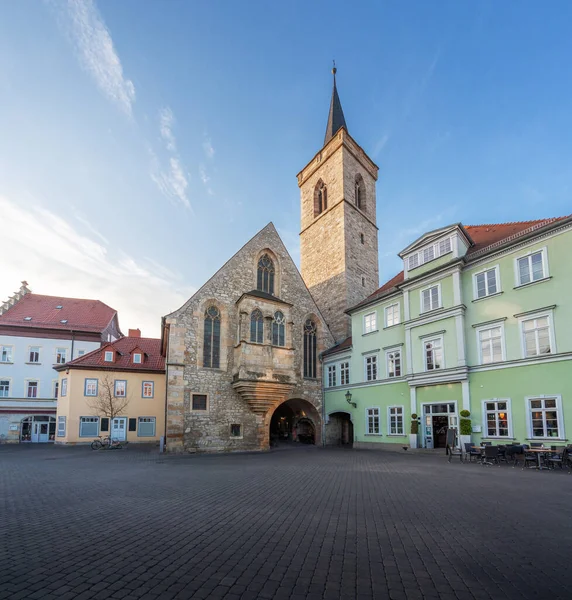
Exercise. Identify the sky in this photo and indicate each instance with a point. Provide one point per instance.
(142, 142)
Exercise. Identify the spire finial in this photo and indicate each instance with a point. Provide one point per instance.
(334, 70)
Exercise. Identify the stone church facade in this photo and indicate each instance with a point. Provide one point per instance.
(243, 364)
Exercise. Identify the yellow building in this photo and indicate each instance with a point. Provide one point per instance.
(116, 390)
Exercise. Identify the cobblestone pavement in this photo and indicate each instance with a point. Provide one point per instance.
(299, 524)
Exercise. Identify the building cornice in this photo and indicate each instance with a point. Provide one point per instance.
(438, 376)
(522, 362)
(436, 315)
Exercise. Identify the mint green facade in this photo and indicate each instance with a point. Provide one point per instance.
(482, 328)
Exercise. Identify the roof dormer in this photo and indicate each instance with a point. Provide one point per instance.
(434, 249)
(109, 355)
(137, 356)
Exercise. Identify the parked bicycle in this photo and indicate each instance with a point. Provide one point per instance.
(106, 442)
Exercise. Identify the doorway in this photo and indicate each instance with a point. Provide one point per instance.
(118, 428)
(294, 422)
(38, 429)
(437, 418)
(440, 425)
(40, 432)
(339, 430)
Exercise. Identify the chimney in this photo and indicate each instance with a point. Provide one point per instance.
(134, 333)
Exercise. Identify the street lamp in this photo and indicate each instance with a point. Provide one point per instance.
(349, 399)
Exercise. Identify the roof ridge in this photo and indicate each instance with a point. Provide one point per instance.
(514, 222)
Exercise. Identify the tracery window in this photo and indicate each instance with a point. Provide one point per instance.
(320, 198)
(211, 346)
(359, 192)
(256, 327)
(265, 277)
(278, 328)
(310, 349)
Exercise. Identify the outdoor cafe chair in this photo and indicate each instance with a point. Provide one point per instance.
(557, 458)
(530, 458)
(502, 452)
(491, 455)
(514, 452)
(470, 451)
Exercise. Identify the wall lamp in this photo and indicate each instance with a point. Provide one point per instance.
(349, 399)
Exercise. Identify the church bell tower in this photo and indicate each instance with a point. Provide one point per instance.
(338, 237)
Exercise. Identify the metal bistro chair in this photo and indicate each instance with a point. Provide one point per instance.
(556, 457)
(530, 458)
(470, 452)
(513, 453)
(502, 453)
(491, 456)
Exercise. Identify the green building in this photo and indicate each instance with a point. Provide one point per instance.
(480, 319)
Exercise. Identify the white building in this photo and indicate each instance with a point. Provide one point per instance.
(36, 333)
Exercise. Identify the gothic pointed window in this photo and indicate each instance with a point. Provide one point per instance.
(278, 329)
(359, 192)
(310, 349)
(320, 198)
(265, 276)
(256, 327)
(211, 345)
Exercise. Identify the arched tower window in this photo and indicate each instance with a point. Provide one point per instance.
(359, 192)
(310, 349)
(256, 327)
(265, 277)
(320, 198)
(211, 346)
(278, 329)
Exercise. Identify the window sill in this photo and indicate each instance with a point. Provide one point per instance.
(497, 437)
(6, 362)
(392, 326)
(33, 363)
(487, 296)
(395, 435)
(373, 435)
(546, 439)
(370, 332)
(432, 310)
(522, 285)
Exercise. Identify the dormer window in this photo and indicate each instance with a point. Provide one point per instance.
(137, 358)
(429, 253)
(64, 321)
(59, 307)
(108, 356)
(27, 318)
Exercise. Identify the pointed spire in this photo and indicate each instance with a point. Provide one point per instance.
(336, 117)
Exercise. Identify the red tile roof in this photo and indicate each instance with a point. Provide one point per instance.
(151, 348)
(485, 238)
(79, 314)
(347, 343)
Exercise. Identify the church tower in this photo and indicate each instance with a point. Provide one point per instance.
(338, 237)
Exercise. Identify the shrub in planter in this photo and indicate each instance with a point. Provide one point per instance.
(414, 424)
(465, 423)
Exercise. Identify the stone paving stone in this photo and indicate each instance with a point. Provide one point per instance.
(299, 524)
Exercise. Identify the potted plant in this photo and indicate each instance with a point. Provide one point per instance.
(414, 431)
(465, 428)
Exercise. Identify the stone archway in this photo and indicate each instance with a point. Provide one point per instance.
(293, 421)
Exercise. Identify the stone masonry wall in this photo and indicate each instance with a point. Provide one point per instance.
(189, 430)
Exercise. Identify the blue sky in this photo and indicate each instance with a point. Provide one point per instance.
(142, 143)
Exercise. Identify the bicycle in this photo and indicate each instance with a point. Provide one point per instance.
(105, 442)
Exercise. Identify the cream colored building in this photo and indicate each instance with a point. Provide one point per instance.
(117, 390)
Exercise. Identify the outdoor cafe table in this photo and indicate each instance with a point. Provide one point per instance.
(539, 452)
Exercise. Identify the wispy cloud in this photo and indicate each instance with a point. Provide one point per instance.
(55, 258)
(171, 179)
(380, 144)
(208, 147)
(95, 50)
(205, 179)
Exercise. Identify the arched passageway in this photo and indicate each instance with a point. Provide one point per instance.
(295, 422)
(339, 429)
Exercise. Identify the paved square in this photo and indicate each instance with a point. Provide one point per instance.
(305, 523)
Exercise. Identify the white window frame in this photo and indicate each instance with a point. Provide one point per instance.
(9, 380)
(478, 331)
(9, 352)
(371, 430)
(365, 359)
(88, 383)
(139, 356)
(146, 420)
(143, 384)
(64, 387)
(389, 416)
(38, 351)
(80, 352)
(92, 419)
(331, 375)
(439, 299)
(64, 353)
(394, 351)
(545, 270)
(61, 427)
(540, 315)
(560, 416)
(484, 412)
(108, 357)
(494, 268)
(55, 388)
(432, 340)
(370, 328)
(124, 395)
(345, 372)
(26, 389)
(418, 256)
(396, 311)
